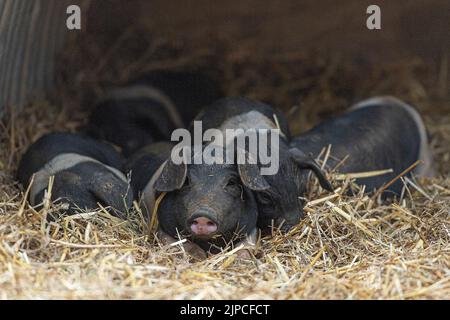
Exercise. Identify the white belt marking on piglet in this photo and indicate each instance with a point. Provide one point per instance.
(59, 163)
(148, 194)
(142, 91)
(426, 168)
(246, 121)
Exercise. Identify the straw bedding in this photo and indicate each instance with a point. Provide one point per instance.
(345, 248)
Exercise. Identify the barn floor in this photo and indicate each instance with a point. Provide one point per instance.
(346, 248)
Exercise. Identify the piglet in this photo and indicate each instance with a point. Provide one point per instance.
(375, 134)
(220, 203)
(280, 205)
(149, 108)
(86, 173)
(207, 204)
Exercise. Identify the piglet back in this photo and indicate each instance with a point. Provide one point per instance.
(143, 164)
(190, 90)
(375, 134)
(51, 145)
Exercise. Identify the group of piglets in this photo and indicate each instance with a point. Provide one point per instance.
(124, 153)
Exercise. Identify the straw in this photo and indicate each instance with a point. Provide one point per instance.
(345, 247)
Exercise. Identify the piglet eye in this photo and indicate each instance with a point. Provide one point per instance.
(265, 199)
(232, 182)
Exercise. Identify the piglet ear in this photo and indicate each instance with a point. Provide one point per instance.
(305, 162)
(252, 178)
(172, 177)
(250, 174)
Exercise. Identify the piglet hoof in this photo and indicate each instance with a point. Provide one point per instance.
(195, 251)
(189, 247)
(245, 254)
(248, 250)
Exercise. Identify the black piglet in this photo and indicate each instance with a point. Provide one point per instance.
(148, 109)
(380, 133)
(86, 173)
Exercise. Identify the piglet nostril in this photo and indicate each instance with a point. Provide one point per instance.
(203, 226)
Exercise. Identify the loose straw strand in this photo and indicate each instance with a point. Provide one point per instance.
(153, 225)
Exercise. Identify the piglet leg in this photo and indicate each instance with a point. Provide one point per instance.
(191, 248)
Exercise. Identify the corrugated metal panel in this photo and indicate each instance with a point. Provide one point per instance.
(31, 32)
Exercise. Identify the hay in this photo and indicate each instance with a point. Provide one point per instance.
(345, 248)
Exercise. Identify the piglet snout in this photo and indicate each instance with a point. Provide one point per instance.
(203, 226)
